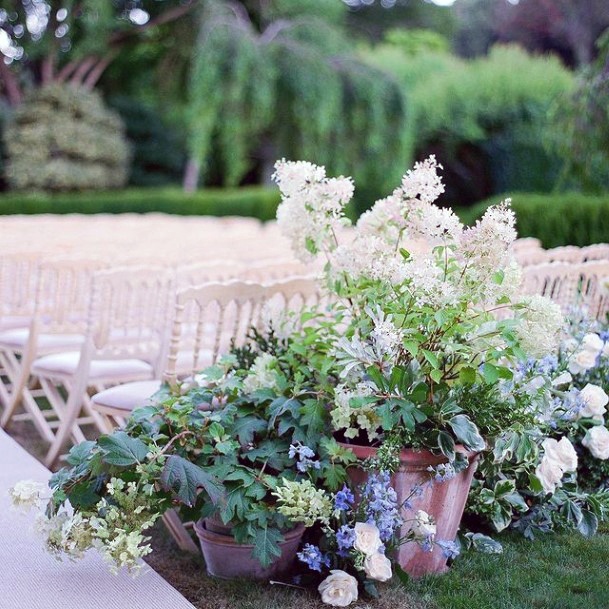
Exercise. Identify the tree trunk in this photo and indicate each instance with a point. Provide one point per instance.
(10, 84)
(191, 175)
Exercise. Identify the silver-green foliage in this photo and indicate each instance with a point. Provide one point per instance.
(64, 138)
(285, 76)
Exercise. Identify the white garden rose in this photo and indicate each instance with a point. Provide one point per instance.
(28, 493)
(339, 589)
(582, 361)
(423, 526)
(592, 342)
(595, 399)
(378, 566)
(562, 379)
(561, 452)
(550, 474)
(367, 538)
(596, 441)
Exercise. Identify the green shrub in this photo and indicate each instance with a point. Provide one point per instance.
(556, 219)
(158, 153)
(63, 138)
(490, 113)
(252, 201)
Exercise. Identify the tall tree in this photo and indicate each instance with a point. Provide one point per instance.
(73, 41)
(281, 77)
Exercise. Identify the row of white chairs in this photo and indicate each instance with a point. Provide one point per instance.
(49, 308)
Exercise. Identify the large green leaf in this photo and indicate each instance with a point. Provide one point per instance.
(467, 432)
(121, 449)
(245, 428)
(588, 524)
(266, 545)
(185, 479)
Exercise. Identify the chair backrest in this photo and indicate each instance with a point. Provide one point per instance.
(198, 273)
(63, 294)
(207, 319)
(571, 285)
(210, 318)
(274, 270)
(18, 285)
(128, 316)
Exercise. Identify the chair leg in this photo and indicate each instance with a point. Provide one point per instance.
(175, 526)
(19, 382)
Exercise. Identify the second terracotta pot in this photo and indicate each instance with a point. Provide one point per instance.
(445, 501)
(227, 559)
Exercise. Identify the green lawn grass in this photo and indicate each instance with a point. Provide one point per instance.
(554, 572)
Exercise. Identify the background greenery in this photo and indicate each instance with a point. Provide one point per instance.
(509, 97)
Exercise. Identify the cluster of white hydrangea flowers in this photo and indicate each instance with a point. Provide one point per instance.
(540, 326)
(312, 206)
(303, 502)
(355, 418)
(277, 320)
(115, 528)
(262, 374)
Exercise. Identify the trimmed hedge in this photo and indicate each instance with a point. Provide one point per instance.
(569, 218)
(255, 201)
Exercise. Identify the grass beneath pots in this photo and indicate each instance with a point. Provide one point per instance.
(554, 572)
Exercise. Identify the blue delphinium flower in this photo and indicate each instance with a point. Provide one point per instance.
(381, 504)
(450, 549)
(572, 404)
(443, 472)
(305, 457)
(345, 538)
(343, 500)
(313, 557)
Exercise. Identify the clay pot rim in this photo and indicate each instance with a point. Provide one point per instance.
(228, 540)
(410, 456)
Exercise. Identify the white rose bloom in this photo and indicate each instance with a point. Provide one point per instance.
(28, 493)
(423, 526)
(339, 589)
(378, 566)
(562, 379)
(592, 342)
(550, 474)
(561, 452)
(596, 400)
(367, 538)
(582, 361)
(597, 442)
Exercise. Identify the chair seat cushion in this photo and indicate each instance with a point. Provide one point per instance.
(14, 321)
(18, 338)
(111, 370)
(128, 396)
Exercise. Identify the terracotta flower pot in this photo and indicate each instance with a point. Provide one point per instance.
(445, 501)
(227, 559)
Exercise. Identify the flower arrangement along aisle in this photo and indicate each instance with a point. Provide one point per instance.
(362, 422)
(432, 321)
(554, 474)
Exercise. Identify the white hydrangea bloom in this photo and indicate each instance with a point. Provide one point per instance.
(353, 419)
(28, 493)
(540, 326)
(423, 182)
(262, 374)
(312, 206)
(385, 219)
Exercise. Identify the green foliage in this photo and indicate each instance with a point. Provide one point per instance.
(250, 201)
(158, 152)
(492, 112)
(63, 138)
(415, 41)
(557, 219)
(282, 81)
(582, 132)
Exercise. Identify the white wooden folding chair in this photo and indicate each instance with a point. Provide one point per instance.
(122, 342)
(58, 324)
(570, 285)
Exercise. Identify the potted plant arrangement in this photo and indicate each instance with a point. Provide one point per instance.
(361, 423)
(433, 321)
